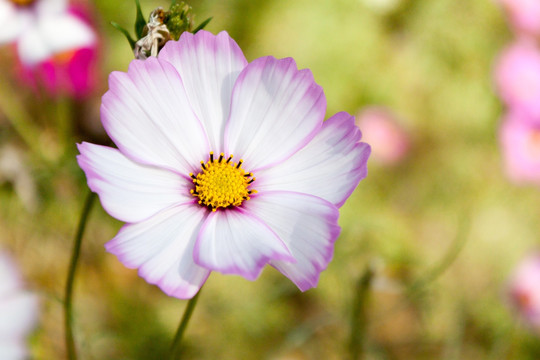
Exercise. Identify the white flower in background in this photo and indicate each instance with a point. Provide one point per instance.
(15, 171)
(18, 311)
(42, 29)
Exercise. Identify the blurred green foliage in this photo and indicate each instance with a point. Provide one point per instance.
(430, 61)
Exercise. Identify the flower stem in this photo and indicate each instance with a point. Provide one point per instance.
(68, 316)
(449, 257)
(64, 122)
(175, 347)
(359, 315)
(420, 286)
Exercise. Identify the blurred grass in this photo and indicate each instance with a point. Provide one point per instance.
(431, 62)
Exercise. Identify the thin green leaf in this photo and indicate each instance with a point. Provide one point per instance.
(140, 22)
(126, 34)
(202, 25)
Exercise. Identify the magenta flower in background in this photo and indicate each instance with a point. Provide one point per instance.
(517, 76)
(18, 311)
(524, 15)
(389, 141)
(190, 206)
(520, 140)
(56, 45)
(524, 290)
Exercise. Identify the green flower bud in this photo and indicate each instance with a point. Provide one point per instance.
(179, 19)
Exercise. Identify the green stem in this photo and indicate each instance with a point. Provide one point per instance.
(68, 308)
(175, 347)
(420, 286)
(64, 122)
(448, 259)
(359, 315)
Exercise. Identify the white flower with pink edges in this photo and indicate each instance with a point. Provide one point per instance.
(192, 207)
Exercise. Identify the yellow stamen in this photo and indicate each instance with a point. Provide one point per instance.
(222, 184)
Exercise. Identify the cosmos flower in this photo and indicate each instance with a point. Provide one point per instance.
(389, 142)
(222, 165)
(524, 290)
(55, 44)
(524, 15)
(520, 139)
(517, 76)
(18, 311)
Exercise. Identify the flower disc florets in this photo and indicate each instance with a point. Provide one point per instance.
(222, 183)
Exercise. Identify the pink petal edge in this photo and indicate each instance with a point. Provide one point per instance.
(305, 272)
(272, 98)
(166, 262)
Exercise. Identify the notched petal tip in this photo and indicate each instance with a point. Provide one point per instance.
(308, 226)
(271, 97)
(173, 288)
(201, 37)
(161, 247)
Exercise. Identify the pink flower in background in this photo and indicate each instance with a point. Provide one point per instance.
(18, 312)
(524, 290)
(520, 140)
(190, 206)
(517, 76)
(389, 141)
(56, 45)
(524, 15)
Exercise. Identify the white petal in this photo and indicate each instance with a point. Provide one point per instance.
(13, 19)
(18, 314)
(209, 66)
(46, 8)
(66, 32)
(10, 277)
(308, 226)
(147, 114)
(31, 47)
(130, 191)
(330, 166)
(13, 349)
(53, 34)
(234, 242)
(276, 110)
(162, 248)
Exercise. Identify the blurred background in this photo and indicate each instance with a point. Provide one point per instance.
(429, 239)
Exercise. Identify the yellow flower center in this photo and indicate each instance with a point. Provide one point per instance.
(222, 183)
(23, 2)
